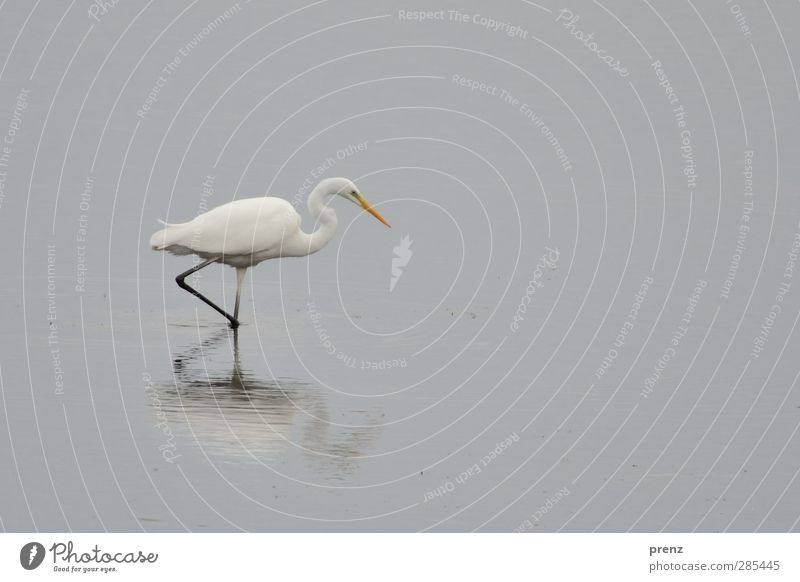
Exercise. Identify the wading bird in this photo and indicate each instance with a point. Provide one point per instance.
(245, 232)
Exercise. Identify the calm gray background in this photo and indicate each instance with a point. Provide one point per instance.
(594, 329)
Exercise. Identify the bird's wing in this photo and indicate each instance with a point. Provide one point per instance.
(242, 227)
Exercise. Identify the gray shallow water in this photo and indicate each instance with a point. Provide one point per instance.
(591, 328)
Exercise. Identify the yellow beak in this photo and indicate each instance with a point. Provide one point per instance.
(369, 208)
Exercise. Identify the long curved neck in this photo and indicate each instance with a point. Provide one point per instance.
(324, 219)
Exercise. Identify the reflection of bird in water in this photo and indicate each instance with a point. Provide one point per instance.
(237, 414)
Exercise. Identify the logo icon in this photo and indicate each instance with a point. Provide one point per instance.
(402, 255)
(31, 555)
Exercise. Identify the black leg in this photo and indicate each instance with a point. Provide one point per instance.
(183, 285)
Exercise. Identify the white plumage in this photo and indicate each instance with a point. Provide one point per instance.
(245, 232)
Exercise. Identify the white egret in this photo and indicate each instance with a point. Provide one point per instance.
(246, 232)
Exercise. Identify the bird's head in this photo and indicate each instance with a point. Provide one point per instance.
(348, 190)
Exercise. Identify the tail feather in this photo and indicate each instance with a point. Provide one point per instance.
(166, 237)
